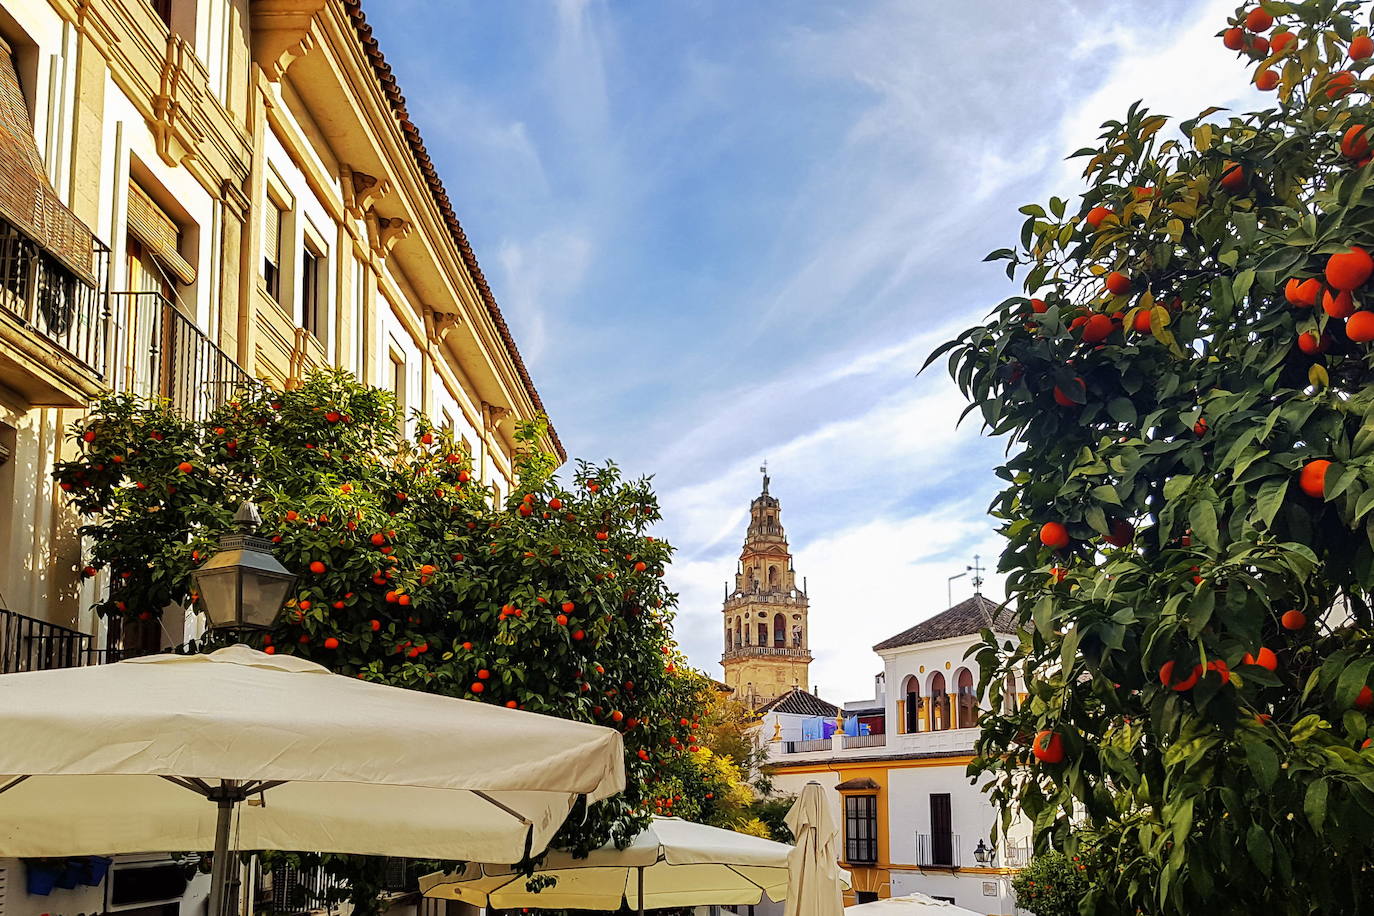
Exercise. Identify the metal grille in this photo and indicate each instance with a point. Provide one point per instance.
(295, 891)
(861, 829)
(157, 352)
(938, 850)
(30, 644)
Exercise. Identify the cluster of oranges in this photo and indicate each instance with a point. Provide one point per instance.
(1346, 272)
(1248, 37)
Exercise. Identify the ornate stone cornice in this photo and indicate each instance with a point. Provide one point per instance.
(281, 31)
(361, 191)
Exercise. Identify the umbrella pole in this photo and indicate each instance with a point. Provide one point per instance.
(640, 879)
(219, 867)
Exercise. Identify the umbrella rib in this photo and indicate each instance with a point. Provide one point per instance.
(12, 783)
(197, 787)
(746, 877)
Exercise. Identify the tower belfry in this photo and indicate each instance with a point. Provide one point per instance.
(766, 648)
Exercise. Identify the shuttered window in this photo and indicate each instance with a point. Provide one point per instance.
(159, 233)
(271, 248)
(861, 829)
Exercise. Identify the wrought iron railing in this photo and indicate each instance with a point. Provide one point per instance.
(1017, 853)
(865, 740)
(801, 747)
(937, 850)
(46, 297)
(30, 644)
(158, 352)
(290, 891)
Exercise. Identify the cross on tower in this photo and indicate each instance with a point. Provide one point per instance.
(977, 570)
(764, 470)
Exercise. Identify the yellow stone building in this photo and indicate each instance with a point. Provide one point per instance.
(198, 192)
(766, 653)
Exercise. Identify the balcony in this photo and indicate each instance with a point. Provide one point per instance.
(938, 850)
(157, 352)
(805, 747)
(745, 651)
(1017, 853)
(852, 741)
(29, 644)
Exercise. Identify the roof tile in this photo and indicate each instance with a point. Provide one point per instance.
(964, 619)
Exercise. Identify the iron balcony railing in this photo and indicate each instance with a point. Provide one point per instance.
(801, 747)
(50, 300)
(865, 740)
(290, 891)
(30, 644)
(158, 352)
(1016, 854)
(937, 850)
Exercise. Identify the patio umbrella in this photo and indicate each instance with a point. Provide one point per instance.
(813, 888)
(122, 758)
(672, 863)
(909, 905)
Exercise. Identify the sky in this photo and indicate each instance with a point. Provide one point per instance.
(728, 232)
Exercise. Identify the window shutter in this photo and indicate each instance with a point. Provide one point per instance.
(151, 225)
(271, 233)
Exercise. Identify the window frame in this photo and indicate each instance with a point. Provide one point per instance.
(861, 810)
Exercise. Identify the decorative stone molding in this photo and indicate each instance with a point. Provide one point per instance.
(438, 324)
(361, 191)
(281, 33)
(383, 232)
(178, 95)
(495, 415)
(236, 200)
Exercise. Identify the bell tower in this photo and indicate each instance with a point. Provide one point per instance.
(766, 649)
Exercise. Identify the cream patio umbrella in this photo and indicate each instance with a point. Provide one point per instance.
(123, 757)
(909, 905)
(813, 888)
(672, 863)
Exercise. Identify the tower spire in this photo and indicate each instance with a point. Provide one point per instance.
(764, 471)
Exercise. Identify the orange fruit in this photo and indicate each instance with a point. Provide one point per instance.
(1266, 80)
(1048, 747)
(1062, 398)
(378, 539)
(1059, 573)
(1280, 42)
(1258, 20)
(331, 643)
(317, 568)
(1312, 480)
(1118, 284)
(1221, 669)
(1293, 620)
(1097, 329)
(477, 687)
(1096, 215)
(1200, 427)
(1142, 321)
(1361, 47)
(1302, 293)
(1341, 84)
(1360, 327)
(1365, 698)
(1234, 38)
(1232, 177)
(1355, 142)
(186, 467)
(1342, 305)
(1039, 307)
(1121, 534)
(602, 535)
(1348, 270)
(1054, 535)
(568, 607)
(1166, 677)
(1311, 344)
(1265, 659)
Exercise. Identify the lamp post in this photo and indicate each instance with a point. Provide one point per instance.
(241, 587)
(983, 855)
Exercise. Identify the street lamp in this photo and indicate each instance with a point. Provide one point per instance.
(983, 855)
(243, 586)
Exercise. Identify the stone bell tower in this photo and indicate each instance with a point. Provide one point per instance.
(766, 651)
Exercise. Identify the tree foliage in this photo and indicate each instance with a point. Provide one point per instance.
(552, 602)
(1053, 884)
(1161, 403)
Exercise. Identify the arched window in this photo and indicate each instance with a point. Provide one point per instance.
(939, 703)
(910, 705)
(763, 634)
(772, 578)
(729, 637)
(1009, 694)
(740, 633)
(966, 708)
(779, 631)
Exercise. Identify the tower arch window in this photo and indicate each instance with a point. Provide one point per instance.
(910, 705)
(779, 631)
(729, 637)
(772, 578)
(939, 703)
(739, 638)
(966, 703)
(763, 634)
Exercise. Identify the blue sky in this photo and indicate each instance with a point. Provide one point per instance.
(727, 231)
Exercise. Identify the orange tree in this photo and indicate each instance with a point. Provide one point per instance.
(1185, 387)
(553, 602)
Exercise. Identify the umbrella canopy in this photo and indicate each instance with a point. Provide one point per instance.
(683, 864)
(121, 758)
(813, 888)
(909, 905)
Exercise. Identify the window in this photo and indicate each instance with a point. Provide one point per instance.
(763, 634)
(861, 829)
(313, 291)
(396, 382)
(163, 8)
(779, 631)
(911, 706)
(274, 215)
(867, 897)
(941, 834)
(939, 703)
(966, 704)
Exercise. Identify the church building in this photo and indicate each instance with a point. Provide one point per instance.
(766, 653)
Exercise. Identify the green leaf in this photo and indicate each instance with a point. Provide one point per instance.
(1263, 762)
(1268, 501)
(1259, 847)
(1203, 519)
(1122, 411)
(1106, 493)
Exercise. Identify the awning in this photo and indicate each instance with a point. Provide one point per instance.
(151, 225)
(26, 198)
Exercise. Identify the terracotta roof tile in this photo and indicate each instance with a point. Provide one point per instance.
(964, 619)
(436, 187)
(798, 702)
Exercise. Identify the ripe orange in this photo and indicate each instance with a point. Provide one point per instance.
(1266, 80)
(1121, 534)
(568, 607)
(186, 467)
(1293, 620)
(1360, 327)
(602, 535)
(641, 566)
(1361, 47)
(1142, 321)
(525, 509)
(1097, 329)
(1312, 480)
(1280, 42)
(1048, 747)
(270, 650)
(1062, 398)
(578, 634)
(1313, 345)
(1349, 269)
(1200, 427)
(1038, 306)
(1355, 142)
(1234, 38)
(1054, 535)
(1365, 699)
(1221, 668)
(375, 625)
(1118, 284)
(331, 643)
(1302, 293)
(562, 620)
(378, 539)
(1096, 215)
(1341, 84)
(1342, 305)
(477, 687)
(317, 568)
(1166, 677)
(1265, 659)
(1258, 20)
(1232, 177)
